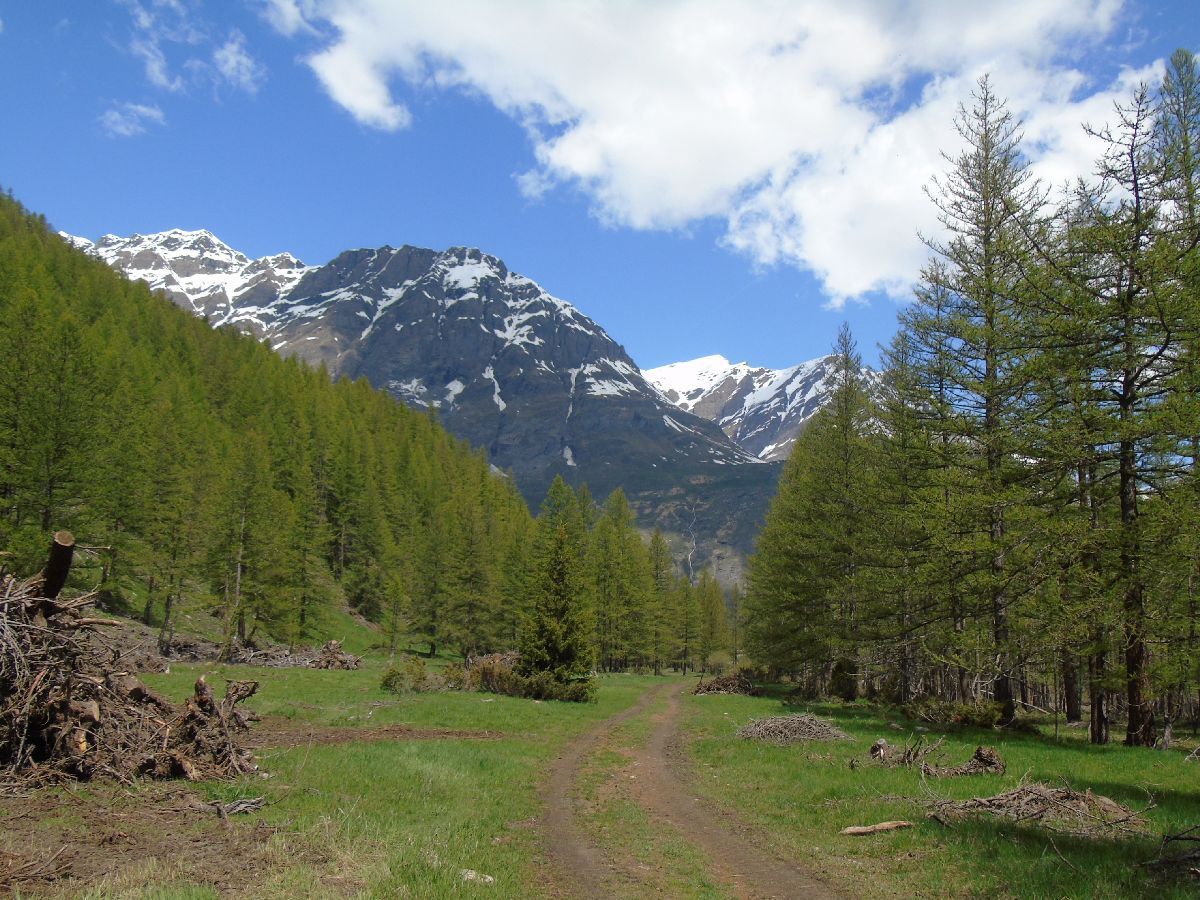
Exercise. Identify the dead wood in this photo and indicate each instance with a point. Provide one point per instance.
(791, 729)
(733, 683)
(1058, 809)
(331, 656)
(15, 871)
(58, 564)
(236, 807)
(984, 761)
(914, 753)
(875, 829)
(68, 712)
(1188, 860)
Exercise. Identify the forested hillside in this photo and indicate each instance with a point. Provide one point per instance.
(1016, 519)
(216, 473)
(212, 474)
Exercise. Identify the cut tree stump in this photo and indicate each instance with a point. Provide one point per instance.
(58, 564)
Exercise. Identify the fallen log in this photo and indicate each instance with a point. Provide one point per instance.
(875, 829)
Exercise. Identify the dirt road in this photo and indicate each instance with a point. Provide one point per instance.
(740, 860)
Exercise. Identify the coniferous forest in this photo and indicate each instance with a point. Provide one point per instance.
(1012, 516)
(207, 473)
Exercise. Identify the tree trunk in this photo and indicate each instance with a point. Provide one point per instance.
(1140, 730)
(58, 564)
(1098, 724)
(148, 609)
(1070, 678)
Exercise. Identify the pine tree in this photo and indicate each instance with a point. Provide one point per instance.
(985, 203)
(713, 634)
(659, 603)
(555, 637)
(804, 602)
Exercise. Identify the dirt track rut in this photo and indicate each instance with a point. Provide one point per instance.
(739, 859)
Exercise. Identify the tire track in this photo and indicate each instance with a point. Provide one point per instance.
(746, 865)
(576, 861)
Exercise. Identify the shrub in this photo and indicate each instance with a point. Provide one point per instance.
(496, 674)
(409, 677)
(936, 711)
(458, 678)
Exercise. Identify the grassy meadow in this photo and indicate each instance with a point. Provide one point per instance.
(805, 794)
(397, 816)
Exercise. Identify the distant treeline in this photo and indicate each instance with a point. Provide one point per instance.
(1015, 515)
(212, 474)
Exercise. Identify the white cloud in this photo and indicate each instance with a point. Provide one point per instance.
(287, 17)
(130, 119)
(156, 22)
(811, 129)
(236, 66)
(174, 27)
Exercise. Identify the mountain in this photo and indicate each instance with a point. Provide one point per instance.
(762, 410)
(511, 368)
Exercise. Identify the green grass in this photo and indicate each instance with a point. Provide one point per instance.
(403, 817)
(805, 794)
(664, 861)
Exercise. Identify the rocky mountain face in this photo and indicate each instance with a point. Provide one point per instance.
(762, 410)
(509, 367)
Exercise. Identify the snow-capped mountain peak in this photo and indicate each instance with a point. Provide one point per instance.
(196, 268)
(761, 409)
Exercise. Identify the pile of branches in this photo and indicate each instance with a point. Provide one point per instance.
(792, 729)
(1187, 861)
(504, 662)
(914, 753)
(1059, 809)
(67, 711)
(275, 657)
(279, 656)
(332, 656)
(188, 649)
(984, 761)
(733, 683)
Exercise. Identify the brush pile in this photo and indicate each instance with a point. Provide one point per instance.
(794, 729)
(733, 683)
(1058, 809)
(984, 761)
(328, 656)
(332, 656)
(67, 710)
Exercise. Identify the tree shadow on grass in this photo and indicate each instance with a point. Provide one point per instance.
(1031, 861)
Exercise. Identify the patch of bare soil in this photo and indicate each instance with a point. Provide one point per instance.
(742, 859)
(577, 867)
(59, 842)
(278, 733)
(744, 862)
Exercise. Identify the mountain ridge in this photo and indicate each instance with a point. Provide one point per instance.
(763, 410)
(508, 366)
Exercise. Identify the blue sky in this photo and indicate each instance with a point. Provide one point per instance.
(699, 177)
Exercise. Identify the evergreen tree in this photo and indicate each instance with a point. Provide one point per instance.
(554, 638)
(713, 634)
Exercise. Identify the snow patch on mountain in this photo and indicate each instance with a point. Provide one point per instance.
(761, 409)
